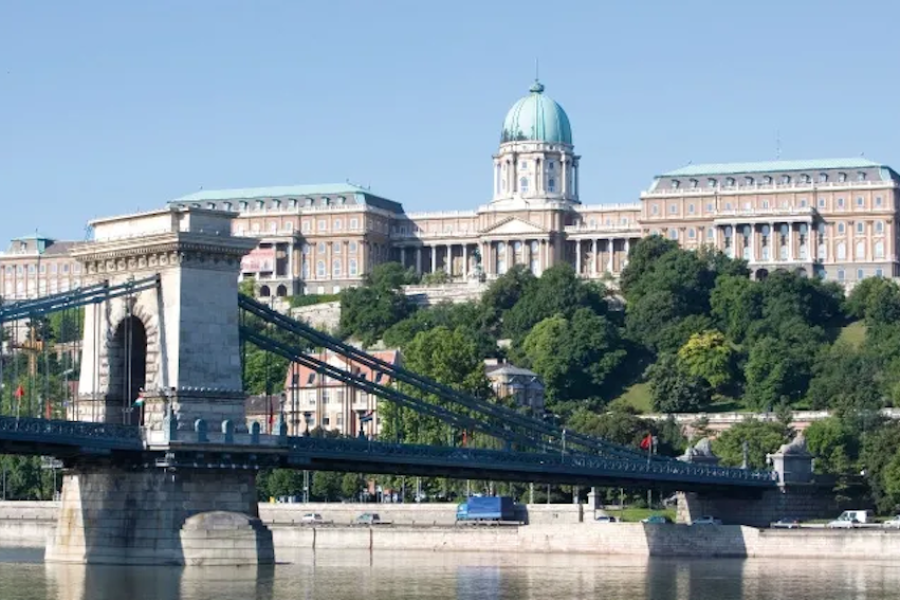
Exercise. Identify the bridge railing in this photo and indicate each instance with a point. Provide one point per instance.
(53, 431)
(587, 465)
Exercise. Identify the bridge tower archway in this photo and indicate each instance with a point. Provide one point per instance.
(128, 367)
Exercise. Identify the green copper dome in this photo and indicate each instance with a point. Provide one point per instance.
(536, 117)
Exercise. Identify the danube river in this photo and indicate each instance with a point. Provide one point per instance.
(335, 575)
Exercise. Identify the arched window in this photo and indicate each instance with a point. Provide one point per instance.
(264, 292)
(320, 247)
(692, 233)
(673, 234)
(523, 184)
(320, 268)
(336, 248)
(879, 249)
(879, 226)
(860, 251)
(352, 247)
(841, 228)
(336, 267)
(842, 251)
(338, 224)
(352, 267)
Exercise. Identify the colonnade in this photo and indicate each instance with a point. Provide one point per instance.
(594, 256)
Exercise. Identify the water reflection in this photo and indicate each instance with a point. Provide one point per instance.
(355, 575)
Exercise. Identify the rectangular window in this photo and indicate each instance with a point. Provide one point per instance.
(821, 202)
(323, 225)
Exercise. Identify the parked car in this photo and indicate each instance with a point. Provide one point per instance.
(656, 520)
(851, 518)
(706, 520)
(787, 523)
(312, 518)
(368, 519)
(606, 519)
(892, 523)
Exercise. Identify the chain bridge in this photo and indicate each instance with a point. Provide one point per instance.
(159, 481)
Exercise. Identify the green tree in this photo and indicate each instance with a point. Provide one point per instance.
(367, 311)
(708, 356)
(642, 259)
(736, 303)
(351, 484)
(574, 357)
(835, 448)
(627, 429)
(844, 379)
(673, 389)
(450, 357)
(762, 438)
(871, 292)
(326, 486)
(558, 292)
(282, 482)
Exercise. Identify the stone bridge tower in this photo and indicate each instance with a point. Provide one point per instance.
(177, 344)
(189, 497)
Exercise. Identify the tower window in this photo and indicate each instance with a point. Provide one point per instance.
(523, 184)
(551, 184)
(523, 165)
(549, 165)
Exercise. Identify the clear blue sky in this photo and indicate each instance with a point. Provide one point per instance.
(110, 106)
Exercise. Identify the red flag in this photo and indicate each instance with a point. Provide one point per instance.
(645, 443)
(20, 391)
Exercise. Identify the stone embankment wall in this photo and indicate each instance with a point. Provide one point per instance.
(30, 524)
(412, 514)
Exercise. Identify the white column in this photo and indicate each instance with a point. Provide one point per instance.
(448, 261)
(627, 248)
(577, 183)
(403, 256)
(434, 258)
(419, 260)
(594, 256)
(752, 242)
(790, 241)
(610, 246)
(578, 257)
(496, 178)
(564, 169)
(465, 266)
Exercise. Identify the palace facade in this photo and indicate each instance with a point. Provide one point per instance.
(835, 219)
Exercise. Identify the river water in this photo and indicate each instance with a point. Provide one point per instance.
(336, 575)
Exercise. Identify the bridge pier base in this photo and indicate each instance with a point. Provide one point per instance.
(113, 515)
(804, 502)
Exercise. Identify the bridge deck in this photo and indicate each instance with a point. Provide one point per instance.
(71, 441)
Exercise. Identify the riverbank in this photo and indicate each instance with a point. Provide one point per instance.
(425, 528)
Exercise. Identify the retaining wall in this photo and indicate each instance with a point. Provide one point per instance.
(412, 514)
(626, 539)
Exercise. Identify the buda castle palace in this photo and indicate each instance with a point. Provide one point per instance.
(834, 219)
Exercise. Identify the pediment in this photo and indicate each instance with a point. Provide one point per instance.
(514, 226)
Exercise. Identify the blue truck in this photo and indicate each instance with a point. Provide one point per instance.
(490, 509)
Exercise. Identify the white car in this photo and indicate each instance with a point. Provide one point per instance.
(706, 520)
(605, 519)
(892, 523)
(842, 524)
(312, 518)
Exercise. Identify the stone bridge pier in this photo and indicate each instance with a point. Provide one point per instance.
(166, 359)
